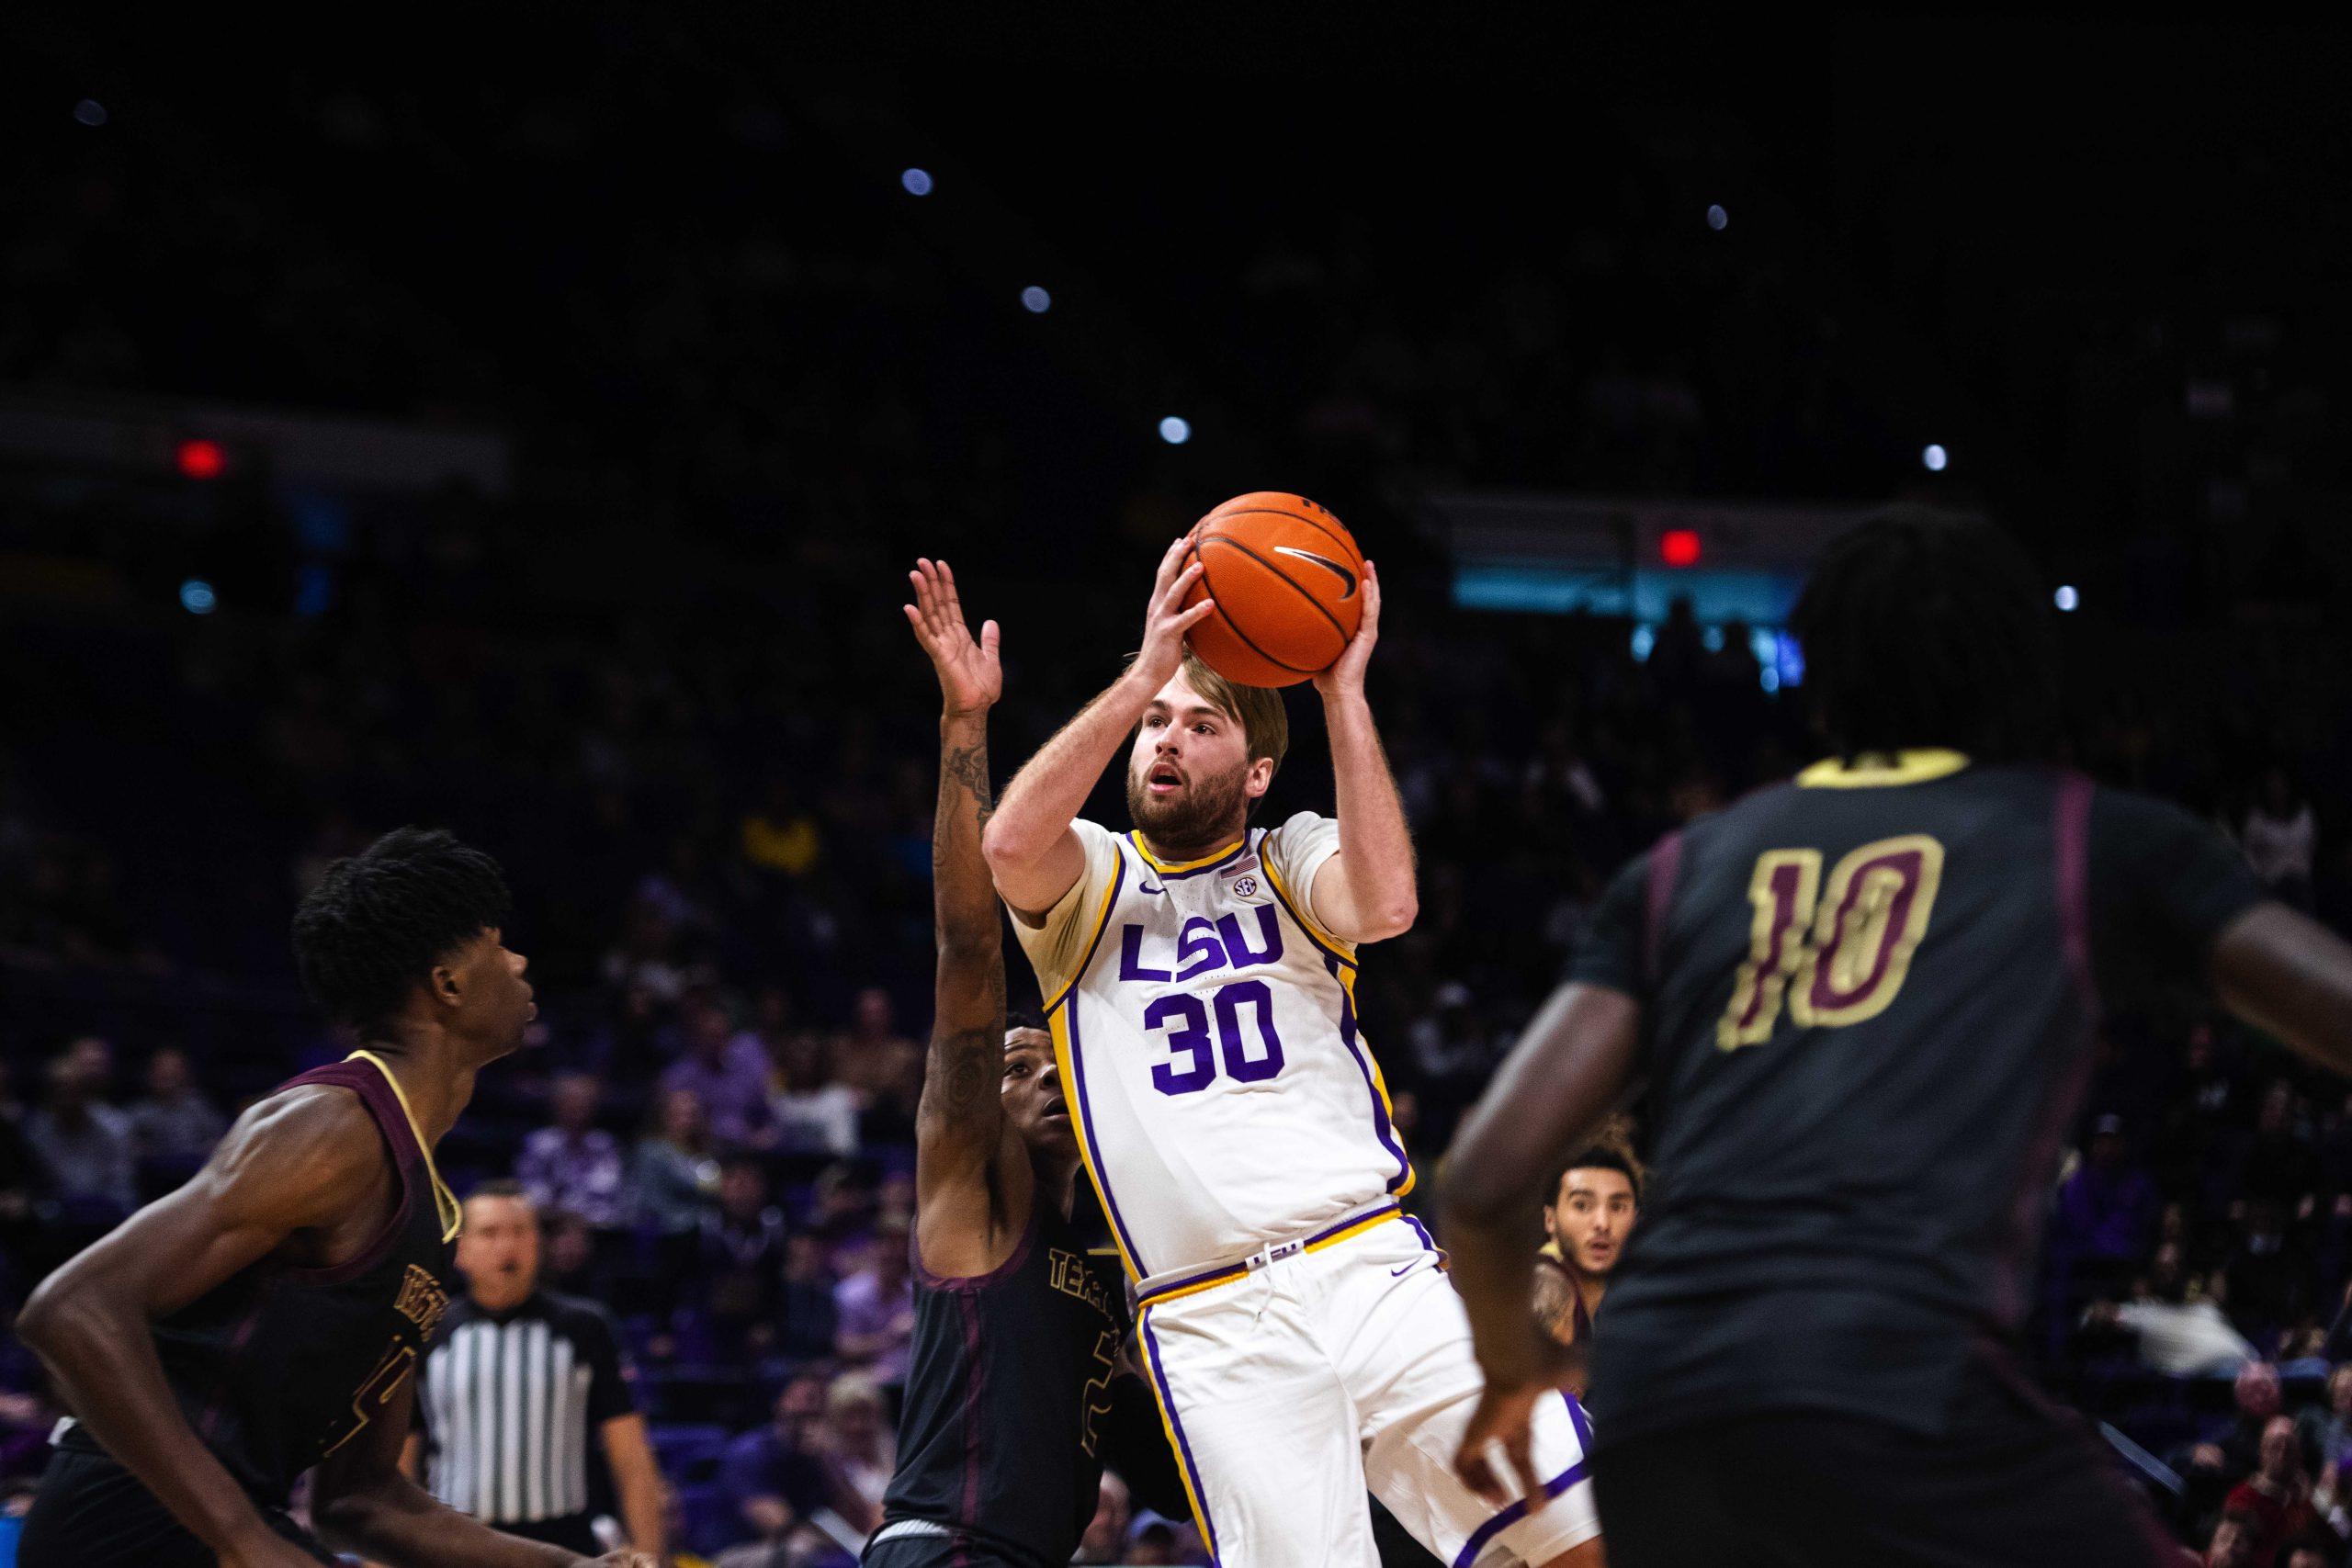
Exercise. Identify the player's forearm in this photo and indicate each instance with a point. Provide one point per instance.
(645, 1514)
(393, 1521)
(1375, 845)
(1489, 1261)
(1051, 788)
(963, 899)
(102, 1360)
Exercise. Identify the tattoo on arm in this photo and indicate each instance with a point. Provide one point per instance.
(1555, 1304)
(966, 1045)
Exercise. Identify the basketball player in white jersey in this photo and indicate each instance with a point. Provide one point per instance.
(1199, 976)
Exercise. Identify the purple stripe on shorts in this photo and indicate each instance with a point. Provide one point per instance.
(1552, 1488)
(1176, 1424)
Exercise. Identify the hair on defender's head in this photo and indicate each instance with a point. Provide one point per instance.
(379, 920)
(1925, 628)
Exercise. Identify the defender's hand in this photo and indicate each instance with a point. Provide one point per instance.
(1164, 621)
(970, 677)
(1345, 677)
(1503, 1416)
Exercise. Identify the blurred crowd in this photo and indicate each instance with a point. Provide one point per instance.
(666, 683)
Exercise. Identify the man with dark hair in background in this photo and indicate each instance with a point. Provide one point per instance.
(515, 1384)
(264, 1319)
(1865, 1003)
(1595, 1202)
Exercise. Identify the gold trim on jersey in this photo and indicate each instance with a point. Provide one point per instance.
(446, 1207)
(1904, 768)
(1066, 1070)
(1086, 953)
(1301, 913)
(1176, 868)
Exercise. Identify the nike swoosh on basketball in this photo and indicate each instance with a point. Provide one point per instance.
(1347, 579)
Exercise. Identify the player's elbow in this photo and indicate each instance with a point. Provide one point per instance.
(1393, 918)
(1004, 846)
(57, 1319)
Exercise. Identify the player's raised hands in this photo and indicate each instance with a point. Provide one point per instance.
(1345, 676)
(1165, 619)
(970, 677)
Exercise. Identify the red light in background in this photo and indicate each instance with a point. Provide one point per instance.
(1678, 546)
(201, 460)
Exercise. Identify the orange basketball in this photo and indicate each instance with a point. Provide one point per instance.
(1288, 582)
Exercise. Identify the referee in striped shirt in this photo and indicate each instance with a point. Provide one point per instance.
(516, 1387)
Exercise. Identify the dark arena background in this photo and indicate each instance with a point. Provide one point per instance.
(527, 431)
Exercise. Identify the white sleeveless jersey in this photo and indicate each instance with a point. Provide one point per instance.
(1205, 1034)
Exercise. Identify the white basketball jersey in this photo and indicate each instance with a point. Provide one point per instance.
(1206, 1038)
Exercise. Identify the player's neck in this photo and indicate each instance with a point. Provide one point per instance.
(435, 1076)
(1174, 852)
(1057, 1183)
(1590, 1288)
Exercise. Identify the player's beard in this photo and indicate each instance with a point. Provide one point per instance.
(1207, 814)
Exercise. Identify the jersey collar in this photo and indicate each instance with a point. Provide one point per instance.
(1183, 867)
(1877, 769)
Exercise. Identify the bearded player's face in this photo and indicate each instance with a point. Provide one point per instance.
(1189, 779)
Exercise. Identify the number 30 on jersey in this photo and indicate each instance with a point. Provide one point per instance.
(1836, 955)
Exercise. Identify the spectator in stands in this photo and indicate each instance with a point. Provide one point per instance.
(814, 1110)
(672, 1178)
(2230, 1448)
(859, 1441)
(883, 1065)
(575, 1266)
(808, 1300)
(2275, 1501)
(2269, 1274)
(2281, 839)
(2107, 1210)
(24, 1178)
(875, 1308)
(175, 1125)
(86, 1144)
(572, 1164)
(776, 1479)
(2326, 1430)
(1105, 1539)
(2279, 1162)
(2314, 1551)
(739, 1258)
(2233, 1543)
(2180, 1331)
(727, 1073)
(780, 836)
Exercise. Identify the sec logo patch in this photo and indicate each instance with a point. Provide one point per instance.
(1246, 888)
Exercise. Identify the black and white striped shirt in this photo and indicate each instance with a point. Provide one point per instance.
(510, 1402)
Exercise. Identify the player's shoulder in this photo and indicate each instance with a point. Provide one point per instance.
(1297, 827)
(321, 1133)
